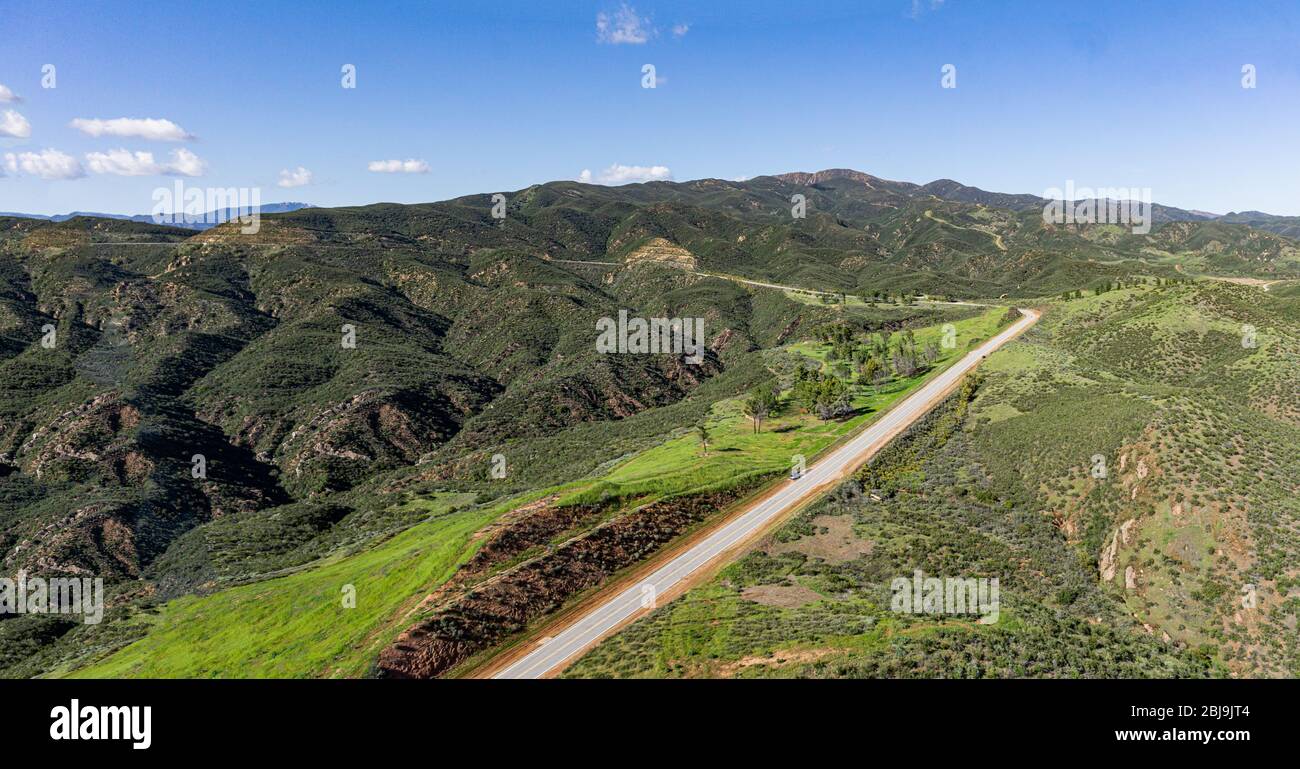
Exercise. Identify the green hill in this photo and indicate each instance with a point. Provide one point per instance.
(184, 412)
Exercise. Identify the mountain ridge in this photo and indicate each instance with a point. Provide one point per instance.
(203, 221)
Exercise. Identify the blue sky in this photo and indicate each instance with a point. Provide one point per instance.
(498, 95)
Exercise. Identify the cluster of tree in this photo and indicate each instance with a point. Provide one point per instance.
(880, 297)
(840, 298)
(1112, 285)
(876, 358)
(874, 370)
(908, 359)
(825, 395)
(839, 336)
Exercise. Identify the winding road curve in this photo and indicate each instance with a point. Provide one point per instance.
(584, 630)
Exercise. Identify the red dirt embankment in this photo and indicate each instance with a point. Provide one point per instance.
(507, 605)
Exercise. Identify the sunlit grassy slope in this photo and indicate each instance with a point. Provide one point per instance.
(297, 625)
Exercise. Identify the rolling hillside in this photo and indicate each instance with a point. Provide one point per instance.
(185, 413)
(1127, 470)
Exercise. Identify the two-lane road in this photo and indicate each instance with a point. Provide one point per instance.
(604, 618)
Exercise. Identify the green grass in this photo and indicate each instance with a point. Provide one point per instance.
(296, 626)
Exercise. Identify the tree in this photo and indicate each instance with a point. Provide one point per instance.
(833, 399)
(882, 375)
(822, 394)
(870, 370)
(905, 362)
(759, 404)
(753, 410)
(882, 343)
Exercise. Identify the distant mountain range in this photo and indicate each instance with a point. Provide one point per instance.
(951, 190)
(944, 189)
(204, 222)
(947, 189)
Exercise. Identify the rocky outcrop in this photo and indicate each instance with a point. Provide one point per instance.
(1107, 565)
(665, 252)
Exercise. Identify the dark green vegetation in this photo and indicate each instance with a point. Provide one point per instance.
(1180, 561)
(473, 337)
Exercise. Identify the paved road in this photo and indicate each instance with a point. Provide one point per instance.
(795, 289)
(553, 653)
(798, 290)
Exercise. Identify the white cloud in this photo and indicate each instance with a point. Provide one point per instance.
(122, 162)
(185, 163)
(129, 127)
(409, 166)
(680, 30)
(298, 177)
(6, 95)
(625, 26)
(47, 164)
(621, 174)
(13, 124)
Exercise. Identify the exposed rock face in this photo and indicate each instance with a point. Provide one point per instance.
(807, 179)
(81, 435)
(663, 252)
(1108, 558)
(365, 433)
(146, 488)
(1126, 530)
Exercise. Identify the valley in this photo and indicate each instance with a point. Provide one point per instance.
(413, 455)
